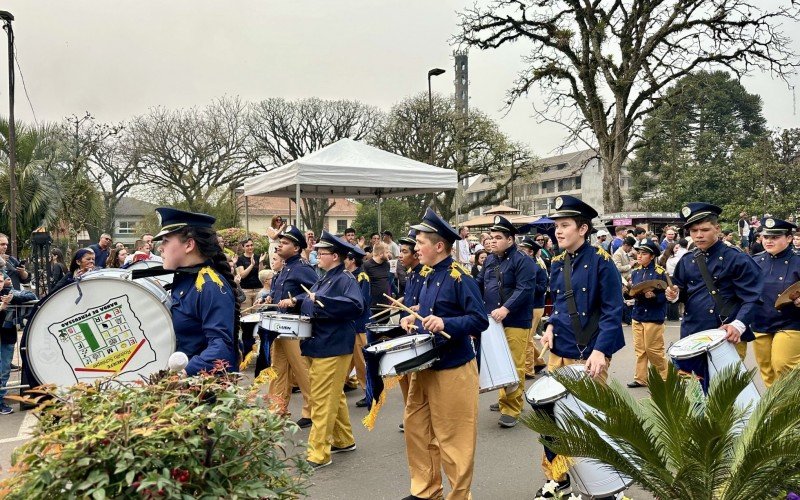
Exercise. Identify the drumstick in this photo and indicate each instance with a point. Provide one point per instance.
(393, 310)
(309, 292)
(545, 349)
(414, 313)
(259, 305)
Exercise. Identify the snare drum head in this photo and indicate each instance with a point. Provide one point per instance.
(117, 327)
(695, 344)
(399, 343)
(251, 318)
(545, 390)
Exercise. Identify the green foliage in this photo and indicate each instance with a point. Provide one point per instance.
(676, 445)
(689, 143)
(396, 216)
(199, 437)
(233, 236)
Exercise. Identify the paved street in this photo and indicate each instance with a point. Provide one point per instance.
(507, 463)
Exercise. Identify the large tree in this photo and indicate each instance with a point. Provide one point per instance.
(604, 65)
(471, 145)
(283, 131)
(197, 154)
(688, 144)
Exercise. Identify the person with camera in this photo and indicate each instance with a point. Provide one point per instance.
(15, 275)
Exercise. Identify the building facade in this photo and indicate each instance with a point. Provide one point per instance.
(258, 211)
(577, 174)
(129, 213)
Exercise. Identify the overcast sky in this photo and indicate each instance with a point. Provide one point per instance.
(116, 59)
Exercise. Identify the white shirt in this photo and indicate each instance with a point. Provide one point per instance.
(462, 251)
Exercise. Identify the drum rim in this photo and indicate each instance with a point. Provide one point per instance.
(413, 340)
(42, 303)
(706, 348)
(295, 317)
(127, 277)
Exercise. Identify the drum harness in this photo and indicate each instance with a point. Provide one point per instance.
(583, 336)
(724, 307)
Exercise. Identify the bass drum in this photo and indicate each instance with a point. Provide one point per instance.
(151, 284)
(163, 280)
(97, 328)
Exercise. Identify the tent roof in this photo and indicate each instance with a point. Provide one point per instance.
(502, 209)
(352, 169)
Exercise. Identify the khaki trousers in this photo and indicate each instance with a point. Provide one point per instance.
(511, 402)
(532, 352)
(290, 366)
(441, 430)
(554, 362)
(648, 344)
(250, 295)
(329, 416)
(777, 353)
(358, 360)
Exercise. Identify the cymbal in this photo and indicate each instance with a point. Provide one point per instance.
(647, 286)
(788, 295)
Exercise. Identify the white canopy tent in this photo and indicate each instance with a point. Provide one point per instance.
(351, 169)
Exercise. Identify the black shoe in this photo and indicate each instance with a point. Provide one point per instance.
(362, 403)
(303, 423)
(337, 449)
(412, 497)
(538, 368)
(494, 407)
(561, 487)
(530, 377)
(315, 465)
(14, 368)
(402, 428)
(295, 390)
(348, 388)
(635, 384)
(507, 421)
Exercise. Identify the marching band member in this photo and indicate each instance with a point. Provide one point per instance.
(353, 262)
(585, 326)
(777, 331)
(286, 356)
(334, 303)
(507, 280)
(649, 312)
(719, 284)
(414, 279)
(532, 363)
(204, 308)
(442, 404)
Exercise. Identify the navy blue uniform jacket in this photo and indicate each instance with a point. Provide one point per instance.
(453, 295)
(364, 286)
(518, 280)
(332, 326)
(738, 279)
(649, 310)
(542, 280)
(202, 315)
(597, 287)
(779, 272)
(295, 272)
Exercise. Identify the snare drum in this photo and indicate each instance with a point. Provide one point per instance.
(709, 347)
(376, 331)
(589, 476)
(400, 349)
(497, 367)
(288, 326)
(99, 327)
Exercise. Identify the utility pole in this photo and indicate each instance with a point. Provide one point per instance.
(7, 17)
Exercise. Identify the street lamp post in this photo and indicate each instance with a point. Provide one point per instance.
(7, 17)
(433, 72)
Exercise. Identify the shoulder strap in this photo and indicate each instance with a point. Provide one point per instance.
(723, 306)
(582, 335)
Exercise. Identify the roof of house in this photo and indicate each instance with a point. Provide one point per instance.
(575, 163)
(502, 209)
(268, 205)
(129, 206)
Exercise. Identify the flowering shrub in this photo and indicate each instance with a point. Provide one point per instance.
(198, 437)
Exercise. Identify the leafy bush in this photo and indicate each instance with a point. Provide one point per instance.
(232, 236)
(198, 437)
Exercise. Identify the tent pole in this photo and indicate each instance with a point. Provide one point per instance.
(379, 214)
(297, 205)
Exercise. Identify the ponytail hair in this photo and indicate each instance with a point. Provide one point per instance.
(208, 245)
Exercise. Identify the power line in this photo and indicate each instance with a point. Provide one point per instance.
(24, 87)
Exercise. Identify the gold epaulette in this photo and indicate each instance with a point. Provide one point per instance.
(456, 271)
(425, 271)
(660, 270)
(602, 253)
(212, 275)
(558, 257)
(362, 276)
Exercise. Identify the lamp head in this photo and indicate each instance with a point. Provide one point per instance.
(435, 72)
(6, 15)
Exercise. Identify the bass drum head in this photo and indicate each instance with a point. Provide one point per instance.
(99, 328)
(163, 280)
(151, 284)
(696, 343)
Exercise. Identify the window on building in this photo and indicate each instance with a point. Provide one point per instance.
(341, 226)
(578, 182)
(548, 187)
(564, 184)
(126, 227)
(561, 166)
(541, 204)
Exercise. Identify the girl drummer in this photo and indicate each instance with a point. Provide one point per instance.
(205, 312)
